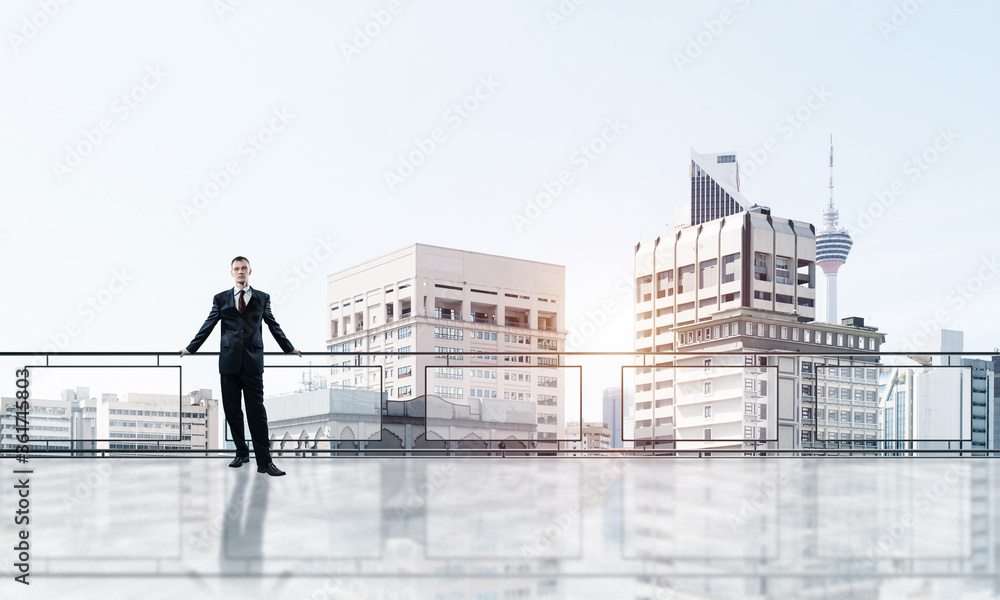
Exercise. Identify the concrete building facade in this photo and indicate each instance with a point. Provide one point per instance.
(445, 301)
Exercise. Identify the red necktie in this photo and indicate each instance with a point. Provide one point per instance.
(243, 304)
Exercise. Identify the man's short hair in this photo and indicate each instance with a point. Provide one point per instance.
(238, 258)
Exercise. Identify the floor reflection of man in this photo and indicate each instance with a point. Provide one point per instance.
(242, 549)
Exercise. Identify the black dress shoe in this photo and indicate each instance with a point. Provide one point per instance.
(239, 461)
(271, 470)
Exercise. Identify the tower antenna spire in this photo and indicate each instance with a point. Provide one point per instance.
(831, 170)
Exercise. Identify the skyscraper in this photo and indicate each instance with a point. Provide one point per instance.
(832, 246)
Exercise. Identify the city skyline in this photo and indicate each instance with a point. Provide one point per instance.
(598, 110)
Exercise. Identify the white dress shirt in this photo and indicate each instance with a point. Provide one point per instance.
(247, 292)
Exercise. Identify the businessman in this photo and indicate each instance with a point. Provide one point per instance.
(241, 361)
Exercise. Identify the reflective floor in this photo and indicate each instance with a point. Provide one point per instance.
(503, 528)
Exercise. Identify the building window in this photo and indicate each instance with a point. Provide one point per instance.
(404, 371)
(449, 392)
(708, 433)
(748, 432)
(748, 385)
(644, 289)
(730, 267)
(404, 332)
(686, 279)
(748, 408)
(448, 333)
(544, 381)
(760, 266)
(708, 274)
(708, 411)
(665, 283)
(403, 391)
(782, 271)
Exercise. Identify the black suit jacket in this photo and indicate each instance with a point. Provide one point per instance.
(241, 334)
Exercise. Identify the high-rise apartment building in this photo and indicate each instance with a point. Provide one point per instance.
(741, 284)
(444, 301)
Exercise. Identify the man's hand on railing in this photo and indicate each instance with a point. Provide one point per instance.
(184, 351)
(294, 351)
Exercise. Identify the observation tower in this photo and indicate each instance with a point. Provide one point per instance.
(833, 244)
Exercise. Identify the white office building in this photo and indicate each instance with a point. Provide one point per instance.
(444, 301)
(929, 402)
(731, 278)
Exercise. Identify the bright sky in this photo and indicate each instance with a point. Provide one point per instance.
(143, 146)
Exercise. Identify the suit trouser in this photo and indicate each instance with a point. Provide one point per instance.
(251, 385)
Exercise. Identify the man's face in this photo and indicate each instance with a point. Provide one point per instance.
(241, 273)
